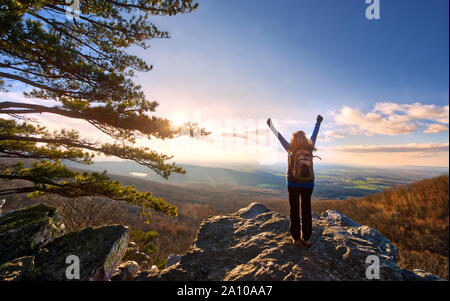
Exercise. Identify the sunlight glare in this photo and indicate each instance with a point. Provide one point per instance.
(179, 119)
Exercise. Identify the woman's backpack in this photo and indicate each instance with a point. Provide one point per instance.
(301, 165)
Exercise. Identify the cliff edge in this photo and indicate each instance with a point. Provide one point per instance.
(251, 244)
(254, 244)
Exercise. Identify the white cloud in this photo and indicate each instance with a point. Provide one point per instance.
(331, 135)
(415, 111)
(389, 118)
(436, 128)
(404, 148)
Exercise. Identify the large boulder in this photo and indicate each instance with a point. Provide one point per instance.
(254, 244)
(17, 269)
(23, 231)
(99, 251)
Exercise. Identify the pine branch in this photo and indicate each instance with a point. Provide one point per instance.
(143, 156)
(55, 178)
(113, 124)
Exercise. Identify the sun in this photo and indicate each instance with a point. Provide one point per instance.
(179, 119)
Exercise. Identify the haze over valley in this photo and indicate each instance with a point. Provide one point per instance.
(332, 181)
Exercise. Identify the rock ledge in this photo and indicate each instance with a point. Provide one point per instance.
(254, 244)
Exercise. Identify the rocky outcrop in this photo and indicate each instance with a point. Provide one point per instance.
(17, 269)
(126, 271)
(133, 254)
(254, 244)
(419, 275)
(2, 202)
(97, 250)
(24, 231)
(173, 259)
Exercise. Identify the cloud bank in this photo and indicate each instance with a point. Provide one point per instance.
(388, 118)
(405, 148)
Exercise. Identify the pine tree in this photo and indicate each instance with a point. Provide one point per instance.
(81, 65)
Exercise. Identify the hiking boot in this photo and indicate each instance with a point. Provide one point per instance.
(297, 243)
(306, 243)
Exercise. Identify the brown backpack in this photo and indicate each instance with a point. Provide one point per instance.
(301, 165)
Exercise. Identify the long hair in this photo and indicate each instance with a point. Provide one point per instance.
(299, 141)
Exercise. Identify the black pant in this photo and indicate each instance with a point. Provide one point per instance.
(306, 224)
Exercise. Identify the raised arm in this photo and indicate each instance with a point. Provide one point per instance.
(283, 141)
(316, 129)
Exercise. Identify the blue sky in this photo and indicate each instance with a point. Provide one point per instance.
(292, 60)
(381, 85)
(315, 54)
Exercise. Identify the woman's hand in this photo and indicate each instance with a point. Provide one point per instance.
(268, 122)
(319, 118)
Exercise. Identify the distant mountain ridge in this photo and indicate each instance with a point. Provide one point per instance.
(332, 181)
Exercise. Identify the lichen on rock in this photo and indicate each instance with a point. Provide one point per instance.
(17, 269)
(24, 231)
(99, 251)
(126, 271)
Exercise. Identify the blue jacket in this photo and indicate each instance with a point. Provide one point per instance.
(286, 146)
